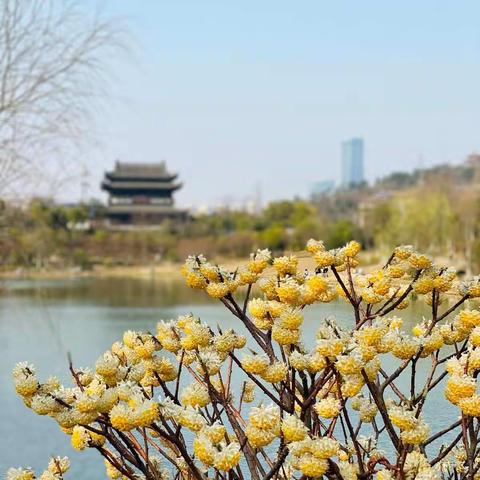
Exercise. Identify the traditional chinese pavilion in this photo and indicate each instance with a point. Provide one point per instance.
(141, 194)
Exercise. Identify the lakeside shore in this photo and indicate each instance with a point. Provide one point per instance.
(134, 271)
(171, 270)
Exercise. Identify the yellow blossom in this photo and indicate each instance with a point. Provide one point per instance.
(329, 347)
(20, 474)
(289, 292)
(403, 251)
(291, 319)
(475, 337)
(419, 261)
(259, 437)
(368, 335)
(247, 277)
(395, 271)
(204, 450)
(111, 471)
(314, 246)
(58, 465)
(218, 289)
(298, 360)
(382, 286)
(215, 432)
(405, 347)
(328, 407)
(286, 265)
(352, 249)
(122, 417)
(259, 260)
(293, 429)
(258, 308)
(469, 318)
(324, 258)
(432, 343)
(324, 448)
(423, 285)
(352, 385)
(312, 466)
(285, 336)
(255, 363)
(349, 364)
(368, 411)
(228, 458)
(402, 418)
(470, 405)
(190, 419)
(248, 392)
(195, 280)
(195, 395)
(459, 386)
(317, 285)
(416, 435)
(277, 372)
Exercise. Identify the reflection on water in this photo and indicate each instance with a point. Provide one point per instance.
(40, 321)
(113, 292)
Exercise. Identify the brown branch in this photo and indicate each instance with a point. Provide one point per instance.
(442, 432)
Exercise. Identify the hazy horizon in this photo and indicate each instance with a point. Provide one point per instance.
(236, 96)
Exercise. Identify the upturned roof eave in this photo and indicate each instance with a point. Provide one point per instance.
(123, 186)
(133, 209)
(119, 176)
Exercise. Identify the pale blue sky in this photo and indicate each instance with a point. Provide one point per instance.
(235, 94)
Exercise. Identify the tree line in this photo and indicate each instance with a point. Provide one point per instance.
(442, 218)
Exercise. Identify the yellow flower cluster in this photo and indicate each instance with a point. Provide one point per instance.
(413, 430)
(311, 455)
(293, 429)
(82, 438)
(195, 395)
(263, 426)
(248, 392)
(211, 448)
(470, 287)
(366, 408)
(218, 282)
(260, 365)
(417, 466)
(137, 412)
(57, 467)
(328, 407)
(461, 386)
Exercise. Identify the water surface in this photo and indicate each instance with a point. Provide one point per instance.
(40, 321)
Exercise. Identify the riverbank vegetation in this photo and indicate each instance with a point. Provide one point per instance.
(437, 210)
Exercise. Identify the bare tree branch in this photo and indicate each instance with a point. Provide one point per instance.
(53, 72)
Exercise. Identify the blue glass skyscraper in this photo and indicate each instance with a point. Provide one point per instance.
(352, 162)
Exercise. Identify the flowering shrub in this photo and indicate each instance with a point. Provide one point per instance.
(169, 405)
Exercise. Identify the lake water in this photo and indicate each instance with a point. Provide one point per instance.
(40, 321)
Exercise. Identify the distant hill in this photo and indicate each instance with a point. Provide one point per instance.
(467, 172)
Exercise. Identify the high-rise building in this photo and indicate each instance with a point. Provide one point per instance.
(352, 162)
